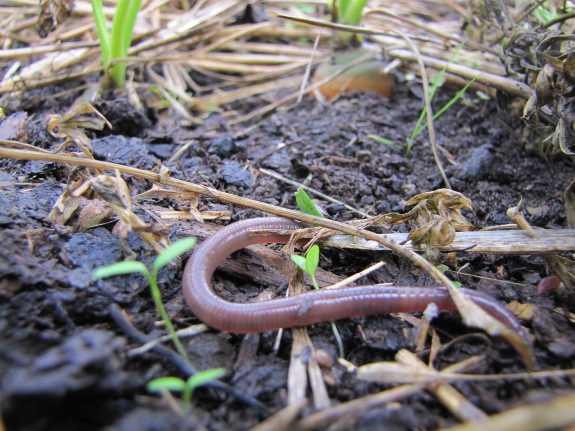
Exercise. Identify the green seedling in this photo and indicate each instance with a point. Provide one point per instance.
(186, 387)
(305, 204)
(435, 84)
(385, 141)
(347, 12)
(420, 128)
(350, 11)
(115, 43)
(310, 262)
(130, 267)
(445, 268)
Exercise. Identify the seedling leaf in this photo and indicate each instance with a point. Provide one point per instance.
(174, 384)
(176, 249)
(120, 268)
(204, 377)
(305, 204)
(299, 261)
(385, 141)
(312, 260)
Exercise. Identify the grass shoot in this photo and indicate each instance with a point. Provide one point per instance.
(347, 12)
(115, 43)
(420, 128)
(130, 267)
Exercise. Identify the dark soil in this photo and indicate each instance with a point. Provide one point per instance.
(64, 356)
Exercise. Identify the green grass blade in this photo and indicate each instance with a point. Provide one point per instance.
(128, 33)
(120, 268)
(342, 7)
(455, 98)
(118, 23)
(122, 27)
(103, 32)
(176, 249)
(204, 377)
(173, 384)
(354, 12)
(435, 85)
(385, 141)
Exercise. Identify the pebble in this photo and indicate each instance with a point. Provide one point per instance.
(234, 175)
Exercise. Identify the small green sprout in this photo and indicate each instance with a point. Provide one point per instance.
(350, 11)
(114, 44)
(310, 262)
(385, 141)
(420, 128)
(130, 267)
(305, 204)
(444, 268)
(435, 84)
(347, 12)
(186, 387)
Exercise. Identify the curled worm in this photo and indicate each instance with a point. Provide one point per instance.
(309, 307)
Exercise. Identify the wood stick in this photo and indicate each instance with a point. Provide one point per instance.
(547, 241)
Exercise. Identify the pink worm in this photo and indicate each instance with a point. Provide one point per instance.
(309, 307)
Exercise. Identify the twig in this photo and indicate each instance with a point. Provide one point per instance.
(428, 108)
(547, 241)
(508, 85)
(311, 190)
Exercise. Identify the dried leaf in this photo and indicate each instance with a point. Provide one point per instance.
(523, 312)
(115, 191)
(70, 125)
(52, 13)
(192, 198)
(552, 131)
(67, 204)
(563, 138)
(437, 216)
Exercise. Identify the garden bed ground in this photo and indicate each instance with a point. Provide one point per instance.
(65, 363)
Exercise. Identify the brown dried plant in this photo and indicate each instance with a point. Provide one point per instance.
(436, 216)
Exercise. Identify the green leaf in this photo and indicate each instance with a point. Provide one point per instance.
(176, 249)
(385, 141)
(305, 204)
(445, 107)
(120, 268)
(103, 32)
(204, 377)
(352, 12)
(381, 139)
(312, 259)
(434, 85)
(174, 384)
(299, 261)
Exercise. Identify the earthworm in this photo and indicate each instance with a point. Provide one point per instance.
(309, 307)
